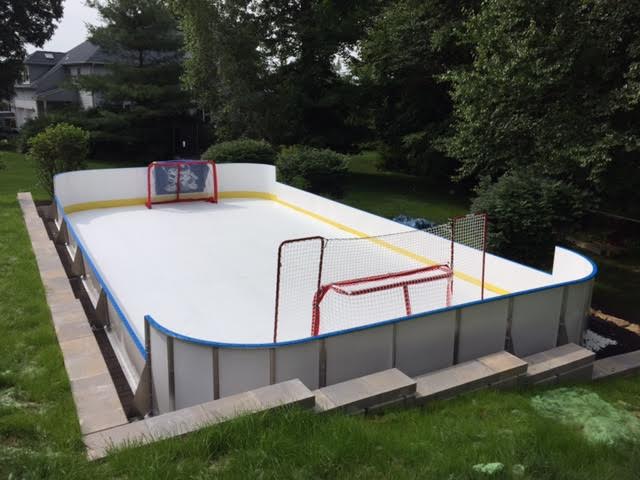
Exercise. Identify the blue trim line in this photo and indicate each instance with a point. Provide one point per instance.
(199, 341)
(110, 296)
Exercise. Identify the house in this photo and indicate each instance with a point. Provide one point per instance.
(47, 78)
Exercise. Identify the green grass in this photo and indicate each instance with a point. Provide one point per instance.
(389, 194)
(40, 438)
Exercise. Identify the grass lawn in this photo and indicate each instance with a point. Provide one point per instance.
(40, 438)
(389, 194)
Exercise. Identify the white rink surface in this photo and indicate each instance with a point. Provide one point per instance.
(206, 271)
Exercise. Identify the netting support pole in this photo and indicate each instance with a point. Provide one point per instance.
(275, 320)
(485, 231)
(407, 300)
(453, 239)
(315, 323)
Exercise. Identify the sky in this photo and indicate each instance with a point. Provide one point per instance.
(71, 30)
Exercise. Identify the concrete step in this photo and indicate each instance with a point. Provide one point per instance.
(499, 369)
(364, 392)
(566, 362)
(179, 422)
(618, 366)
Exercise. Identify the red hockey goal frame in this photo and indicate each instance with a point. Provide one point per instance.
(179, 164)
(432, 274)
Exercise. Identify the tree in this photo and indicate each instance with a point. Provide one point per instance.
(224, 68)
(141, 93)
(553, 85)
(267, 69)
(410, 44)
(23, 21)
(553, 89)
(313, 96)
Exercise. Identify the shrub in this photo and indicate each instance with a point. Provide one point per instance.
(30, 129)
(243, 150)
(317, 170)
(528, 214)
(59, 148)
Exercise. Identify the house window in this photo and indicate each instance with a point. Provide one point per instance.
(24, 77)
(48, 55)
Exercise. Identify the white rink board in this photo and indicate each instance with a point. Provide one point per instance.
(425, 344)
(359, 353)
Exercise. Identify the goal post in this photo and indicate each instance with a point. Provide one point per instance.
(181, 181)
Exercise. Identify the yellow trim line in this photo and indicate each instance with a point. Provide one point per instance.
(126, 202)
(270, 196)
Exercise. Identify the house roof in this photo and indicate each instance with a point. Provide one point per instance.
(86, 52)
(42, 57)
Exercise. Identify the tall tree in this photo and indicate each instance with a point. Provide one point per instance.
(23, 21)
(141, 93)
(267, 69)
(305, 41)
(409, 45)
(553, 84)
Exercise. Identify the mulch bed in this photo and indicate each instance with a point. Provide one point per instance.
(627, 341)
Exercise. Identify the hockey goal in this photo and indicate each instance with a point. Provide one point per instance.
(181, 181)
(326, 285)
(421, 286)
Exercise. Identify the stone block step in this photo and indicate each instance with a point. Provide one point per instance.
(617, 366)
(179, 422)
(568, 361)
(94, 394)
(364, 392)
(496, 369)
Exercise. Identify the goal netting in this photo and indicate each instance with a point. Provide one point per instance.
(181, 181)
(326, 285)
